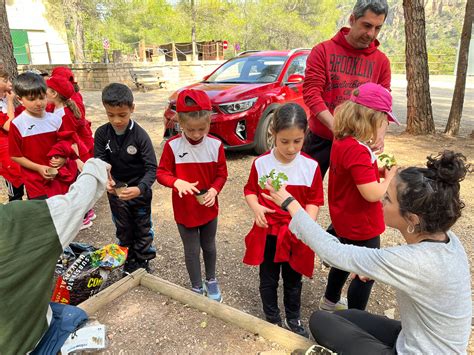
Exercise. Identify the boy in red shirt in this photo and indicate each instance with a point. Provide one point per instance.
(32, 134)
(193, 163)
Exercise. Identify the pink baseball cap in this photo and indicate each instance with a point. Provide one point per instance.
(376, 97)
(198, 96)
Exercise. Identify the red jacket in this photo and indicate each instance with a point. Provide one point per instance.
(333, 69)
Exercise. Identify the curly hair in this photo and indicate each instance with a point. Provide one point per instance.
(432, 193)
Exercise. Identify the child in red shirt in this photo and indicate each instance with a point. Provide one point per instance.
(10, 170)
(193, 163)
(270, 244)
(355, 190)
(32, 134)
(59, 94)
(63, 158)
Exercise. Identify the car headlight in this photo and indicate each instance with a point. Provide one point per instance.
(238, 106)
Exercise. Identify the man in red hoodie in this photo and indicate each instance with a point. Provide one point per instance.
(336, 67)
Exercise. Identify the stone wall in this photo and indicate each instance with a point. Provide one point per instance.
(95, 76)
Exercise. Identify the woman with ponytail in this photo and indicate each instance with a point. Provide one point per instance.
(430, 273)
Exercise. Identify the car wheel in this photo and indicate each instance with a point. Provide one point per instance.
(263, 137)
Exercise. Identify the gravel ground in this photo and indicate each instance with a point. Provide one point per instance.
(139, 318)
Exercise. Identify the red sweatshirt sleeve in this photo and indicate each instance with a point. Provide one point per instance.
(14, 142)
(315, 80)
(166, 169)
(251, 187)
(221, 177)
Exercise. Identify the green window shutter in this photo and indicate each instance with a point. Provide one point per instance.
(19, 39)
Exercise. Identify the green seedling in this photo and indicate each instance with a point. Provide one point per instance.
(387, 160)
(276, 180)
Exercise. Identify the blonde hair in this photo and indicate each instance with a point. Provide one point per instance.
(183, 117)
(360, 122)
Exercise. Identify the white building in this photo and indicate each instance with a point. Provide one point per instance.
(35, 40)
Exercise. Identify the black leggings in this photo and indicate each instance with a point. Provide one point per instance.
(355, 332)
(194, 239)
(359, 291)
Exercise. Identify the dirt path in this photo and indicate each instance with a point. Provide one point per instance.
(239, 282)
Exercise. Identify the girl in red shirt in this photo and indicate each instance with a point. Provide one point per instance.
(59, 94)
(193, 165)
(270, 244)
(355, 189)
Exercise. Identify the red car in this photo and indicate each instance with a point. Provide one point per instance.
(245, 91)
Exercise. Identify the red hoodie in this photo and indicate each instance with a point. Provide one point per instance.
(335, 68)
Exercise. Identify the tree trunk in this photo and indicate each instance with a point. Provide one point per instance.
(7, 59)
(454, 120)
(78, 39)
(419, 110)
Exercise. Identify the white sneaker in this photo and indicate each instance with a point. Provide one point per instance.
(324, 305)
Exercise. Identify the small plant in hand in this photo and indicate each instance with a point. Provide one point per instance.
(276, 180)
(387, 160)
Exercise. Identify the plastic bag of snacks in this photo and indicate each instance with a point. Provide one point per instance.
(87, 275)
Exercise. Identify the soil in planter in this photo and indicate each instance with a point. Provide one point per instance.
(147, 322)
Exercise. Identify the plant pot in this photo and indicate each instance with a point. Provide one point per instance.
(52, 171)
(120, 187)
(200, 196)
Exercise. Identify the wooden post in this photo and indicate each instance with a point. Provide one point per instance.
(228, 314)
(28, 52)
(49, 53)
(142, 50)
(99, 300)
(173, 52)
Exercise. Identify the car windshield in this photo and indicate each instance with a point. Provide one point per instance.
(252, 69)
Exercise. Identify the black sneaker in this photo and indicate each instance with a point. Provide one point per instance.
(129, 266)
(296, 326)
(143, 264)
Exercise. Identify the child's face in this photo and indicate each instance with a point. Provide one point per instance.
(34, 105)
(288, 143)
(5, 85)
(119, 116)
(57, 161)
(195, 129)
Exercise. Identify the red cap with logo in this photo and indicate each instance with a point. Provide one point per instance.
(61, 86)
(200, 98)
(376, 97)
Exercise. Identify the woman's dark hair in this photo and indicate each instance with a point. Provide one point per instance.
(288, 116)
(29, 84)
(117, 94)
(432, 193)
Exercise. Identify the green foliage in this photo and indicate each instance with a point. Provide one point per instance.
(276, 180)
(387, 160)
(254, 24)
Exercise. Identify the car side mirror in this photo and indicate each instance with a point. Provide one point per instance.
(295, 79)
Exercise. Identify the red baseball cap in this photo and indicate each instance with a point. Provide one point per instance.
(198, 96)
(65, 72)
(376, 97)
(61, 86)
